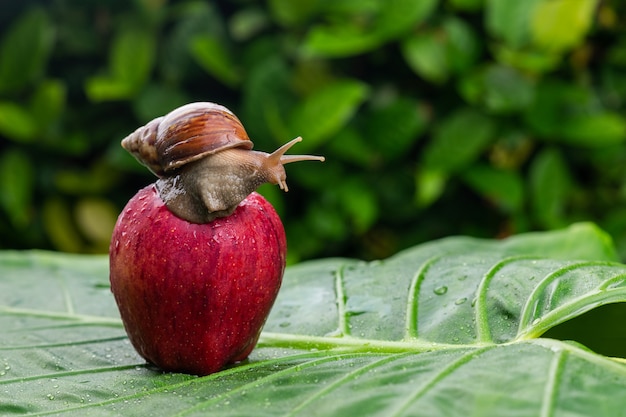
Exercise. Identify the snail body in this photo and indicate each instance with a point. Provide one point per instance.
(204, 160)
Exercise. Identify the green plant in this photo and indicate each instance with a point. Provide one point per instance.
(511, 110)
(459, 326)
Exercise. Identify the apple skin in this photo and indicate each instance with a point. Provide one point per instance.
(194, 297)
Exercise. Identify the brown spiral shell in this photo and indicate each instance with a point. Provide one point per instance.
(186, 134)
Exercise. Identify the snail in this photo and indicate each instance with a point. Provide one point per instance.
(205, 162)
(191, 297)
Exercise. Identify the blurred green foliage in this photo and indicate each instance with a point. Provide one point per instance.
(437, 117)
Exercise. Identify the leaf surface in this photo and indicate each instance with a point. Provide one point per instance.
(449, 327)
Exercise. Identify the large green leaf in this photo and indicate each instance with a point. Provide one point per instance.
(449, 328)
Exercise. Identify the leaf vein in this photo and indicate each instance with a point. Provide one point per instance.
(530, 306)
(266, 379)
(483, 332)
(346, 379)
(340, 294)
(550, 392)
(439, 376)
(411, 327)
(64, 344)
(83, 318)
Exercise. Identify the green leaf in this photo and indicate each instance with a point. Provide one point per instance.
(536, 32)
(192, 19)
(426, 54)
(398, 16)
(430, 185)
(16, 122)
(132, 55)
(291, 13)
(550, 186)
(59, 225)
(394, 128)
(339, 40)
(358, 203)
(105, 88)
(595, 130)
(449, 327)
(532, 61)
(506, 89)
(351, 146)
(17, 177)
(322, 114)
(458, 141)
(571, 114)
(435, 54)
(561, 24)
(96, 218)
(130, 63)
(463, 44)
(24, 50)
(212, 55)
(265, 86)
(501, 187)
(509, 20)
(48, 103)
(352, 36)
(500, 89)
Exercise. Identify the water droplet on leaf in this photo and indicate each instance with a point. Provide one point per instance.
(441, 290)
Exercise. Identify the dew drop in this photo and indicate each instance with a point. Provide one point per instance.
(441, 290)
(460, 301)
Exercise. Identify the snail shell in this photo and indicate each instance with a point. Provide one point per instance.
(186, 134)
(205, 162)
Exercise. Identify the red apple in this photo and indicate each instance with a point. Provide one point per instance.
(194, 297)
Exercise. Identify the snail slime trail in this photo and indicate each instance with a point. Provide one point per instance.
(191, 298)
